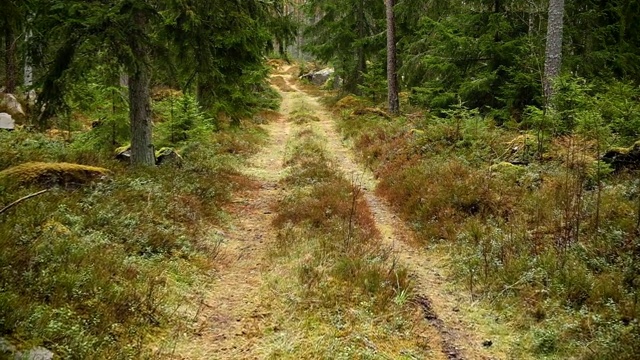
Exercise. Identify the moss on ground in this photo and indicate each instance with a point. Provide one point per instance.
(40, 173)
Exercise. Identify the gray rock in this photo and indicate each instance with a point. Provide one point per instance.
(7, 122)
(10, 104)
(9, 351)
(6, 347)
(319, 77)
(123, 153)
(37, 353)
(624, 158)
(168, 156)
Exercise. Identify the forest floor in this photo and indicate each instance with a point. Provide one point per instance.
(239, 315)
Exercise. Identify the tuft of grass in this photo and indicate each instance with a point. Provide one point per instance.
(281, 83)
(302, 117)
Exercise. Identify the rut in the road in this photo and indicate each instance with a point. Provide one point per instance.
(460, 338)
(236, 320)
(233, 317)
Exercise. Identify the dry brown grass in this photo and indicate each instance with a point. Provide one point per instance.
(267, 116)
(281, 83)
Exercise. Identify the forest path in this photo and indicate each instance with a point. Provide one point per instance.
(462, 328)
(233, 315)
(234, 311)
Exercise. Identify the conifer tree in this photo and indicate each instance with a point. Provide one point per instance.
(392, 75)
(10, 22)
(344, 33)
(553, 54)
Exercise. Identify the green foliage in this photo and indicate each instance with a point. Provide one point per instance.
(181, 121)
(97, 271)
(347, 35)
(108, 107)
(374, 84)
(215, 48)
(619, 105)
(482, 55)
(549, 244)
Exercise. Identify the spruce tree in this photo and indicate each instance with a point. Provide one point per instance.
(392, 75)
(553, 54)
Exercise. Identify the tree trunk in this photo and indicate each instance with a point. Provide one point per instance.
(142, 152)
(28, 67)
(392, 75)
(553, 58)
(361, 67)
(10, 60)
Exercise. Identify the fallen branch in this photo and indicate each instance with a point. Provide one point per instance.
(23, 199)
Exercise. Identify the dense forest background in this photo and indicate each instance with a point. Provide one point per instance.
(505, 132)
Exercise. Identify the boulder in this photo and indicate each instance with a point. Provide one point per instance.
(351, 102)
(516, 174)
(372, 111)
(507, 169)
(623, 158)
(37, 353)
(9, 351)
(51, 174)
(10, 104)
(521, 150)
(168, 156)
(123, 153)
(7, 122)
(319, 77)
(6, 347)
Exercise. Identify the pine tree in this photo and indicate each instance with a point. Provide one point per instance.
(392, 75)
(142, 152)
(553, 54)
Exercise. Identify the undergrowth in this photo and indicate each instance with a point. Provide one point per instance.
(97, 271)
(345, 298)
(538, 227)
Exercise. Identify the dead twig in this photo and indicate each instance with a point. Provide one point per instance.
(23, 199)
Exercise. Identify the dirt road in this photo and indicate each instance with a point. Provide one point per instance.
(234, 316)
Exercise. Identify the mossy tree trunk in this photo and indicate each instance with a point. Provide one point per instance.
(142, 152)
(392, 74)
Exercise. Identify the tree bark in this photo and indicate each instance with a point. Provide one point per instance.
(142, 152)
(10, 60)
(553, 54)
(28, 67)
(361, 67)
(392, 74)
